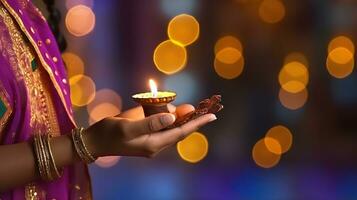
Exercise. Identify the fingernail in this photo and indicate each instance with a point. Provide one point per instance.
(212, 117)
(167, 119)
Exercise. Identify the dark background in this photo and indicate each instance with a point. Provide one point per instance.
(321, 163)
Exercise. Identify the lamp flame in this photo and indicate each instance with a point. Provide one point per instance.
(153, 88)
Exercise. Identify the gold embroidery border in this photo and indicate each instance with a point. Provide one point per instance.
(43, 62)
(4, 97)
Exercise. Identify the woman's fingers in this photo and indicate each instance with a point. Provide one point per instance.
(150, 124)
(171, 108)
(138, 125)
(183, 109)
(135, 113)
(169, 137)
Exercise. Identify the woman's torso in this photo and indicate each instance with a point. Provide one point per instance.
(33, 99)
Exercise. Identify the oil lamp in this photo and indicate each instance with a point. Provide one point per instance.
(155, 101)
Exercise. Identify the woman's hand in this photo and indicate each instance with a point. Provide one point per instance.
(138, 112)
(140, 136)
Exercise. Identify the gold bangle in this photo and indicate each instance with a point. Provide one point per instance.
(39, 159)
(45, 161)
(57, 173)
(85, 149)
(80, 146)
(44, 150)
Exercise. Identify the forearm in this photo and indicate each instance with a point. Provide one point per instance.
(18, 161)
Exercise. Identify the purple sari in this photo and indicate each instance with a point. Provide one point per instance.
(35, 96)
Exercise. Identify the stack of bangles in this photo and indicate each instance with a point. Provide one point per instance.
(44, 158)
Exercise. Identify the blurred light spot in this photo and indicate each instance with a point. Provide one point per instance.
(340, 62)
(102, 111)
(293, 101)
(80, 20)
(282, 135)
(341, 41)
(106, 96)
(228, 41)
(74, 64)
(340, 55)
(296, 56)
(185, 85)
(271, 11)
(169, 57)
(193, 148)
(263, 157)
(273, 145)
(82, 90)
(183, 29)
(174, 7)
(228, 55)
(229, 71)
(72, 3)
(107, 161)
(294, 77)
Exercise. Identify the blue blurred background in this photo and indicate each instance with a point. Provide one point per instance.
(117, 54)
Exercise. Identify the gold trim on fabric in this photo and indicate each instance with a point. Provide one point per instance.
(34, 192)
(38, 52)
(21, 59)
(4, 98)
(43, 114)
(31, 192)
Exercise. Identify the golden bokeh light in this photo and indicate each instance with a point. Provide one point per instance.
(107, 161)
(183, 29)
(293, 101)
(340, 55)
(80, 20)
(294, 77)
(340, 62)
(82, 90)
(339, 70)
(273, 145)
(106, 96)
(282, 135)
(262, 156)
(228, 55)
(102, 111)
(228, 41)
(296, 56)
(169, 57)
(229, 71)
(271, 11)
(74, 64)
(193, 148)
(341, 41)
(72, 3)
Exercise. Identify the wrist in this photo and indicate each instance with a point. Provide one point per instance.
(84, 148)
(92, 142)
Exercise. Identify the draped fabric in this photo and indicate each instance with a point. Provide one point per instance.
(35, 96)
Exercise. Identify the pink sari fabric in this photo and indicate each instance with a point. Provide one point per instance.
(16, 105)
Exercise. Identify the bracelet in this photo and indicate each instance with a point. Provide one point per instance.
(39, 156)
(58, 173)
(45, 155)
(44, 158)
(79, 145)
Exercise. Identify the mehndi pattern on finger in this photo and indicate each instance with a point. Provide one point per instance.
(206, 106)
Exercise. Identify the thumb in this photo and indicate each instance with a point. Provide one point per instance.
(151, 124)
